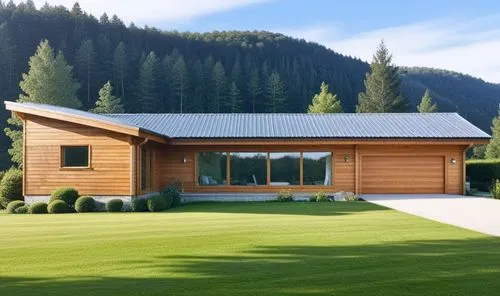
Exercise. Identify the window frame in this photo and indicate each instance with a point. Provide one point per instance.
(61, 158)
(149, 173)
(268, 168)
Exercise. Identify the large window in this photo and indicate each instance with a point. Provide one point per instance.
(212, 168)
(317, 168)
(248, 169)
(285, 168)
(75, 156)
(264, 169)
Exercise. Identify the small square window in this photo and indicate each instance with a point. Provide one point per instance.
(75, 156)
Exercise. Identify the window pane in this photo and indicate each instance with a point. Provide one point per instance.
(285, 169)
(146, 168)
(76, 156)
(248, 169)
(211, 168)
(317, 168)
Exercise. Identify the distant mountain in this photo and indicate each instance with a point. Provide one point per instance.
(203, 70)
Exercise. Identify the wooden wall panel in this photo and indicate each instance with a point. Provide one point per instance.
(452, 179)
(110, 159)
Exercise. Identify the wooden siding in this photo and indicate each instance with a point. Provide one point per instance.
(402, 174)
(452, 176)
(110, 158)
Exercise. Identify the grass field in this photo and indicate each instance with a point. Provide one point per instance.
(245, 249)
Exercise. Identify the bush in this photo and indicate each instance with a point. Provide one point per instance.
(353, 197)
(11, 186)
(22, 210)
(173, 192)
(139, 205)
(320, 197)
(495, 190)
(13, 205)
(67, 194)
(85, 204)
(157, 203)
(482, 173)
(38, 208)
(58, 207)
(114, 205)
(284, 195)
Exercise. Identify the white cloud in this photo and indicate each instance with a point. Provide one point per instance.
(470, 47)
(153, 11)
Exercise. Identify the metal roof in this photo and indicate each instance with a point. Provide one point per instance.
(343, 125)
(290, 125)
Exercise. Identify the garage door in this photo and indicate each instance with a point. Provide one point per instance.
(402, 174)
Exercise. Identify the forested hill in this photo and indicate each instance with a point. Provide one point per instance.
(158, 71)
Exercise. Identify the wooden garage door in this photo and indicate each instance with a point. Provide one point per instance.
(402, 174)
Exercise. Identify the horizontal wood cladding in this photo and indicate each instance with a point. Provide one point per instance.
(411, 169)
(171, 167)
(402, 174)
(109, 173)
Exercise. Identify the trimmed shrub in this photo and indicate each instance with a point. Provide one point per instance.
(85, 204)
(157, 203)
(285, 195)
(173, 192)
(139, 205)
(13, 205)
(58, 206)
(495, 190)
(11, 186)
(67, 194)
(38, 208)
(114, 205)
(22, 210)
(482, 173)
(321, 197)
(353, 197)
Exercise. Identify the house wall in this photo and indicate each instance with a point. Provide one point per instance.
(109, 173)
(115, 161)
(346, 176)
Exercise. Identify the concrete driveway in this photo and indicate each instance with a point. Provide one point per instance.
(474, 213)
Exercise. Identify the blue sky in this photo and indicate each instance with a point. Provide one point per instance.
(457, 35)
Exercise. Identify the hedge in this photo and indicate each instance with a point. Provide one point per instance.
(139, 205)
(58, 207)
(11, 186)
(67, 194)
(157, 203)
(482, 172)
(13, 205)
(85, 204)
(38, 208)
(114, 205)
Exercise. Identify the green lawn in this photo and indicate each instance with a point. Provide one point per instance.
(245, 249)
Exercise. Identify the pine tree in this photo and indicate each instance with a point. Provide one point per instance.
(48, 81)
(208, 86)
(7, 62)
(325, 102)
(148, 94)
(195, 105)
(167, 87)
(219, 80)
(120, 67)
(84, 60)
(107, 102)
(234, 99)
(254, 89)
(382, 86)
(180, 78)
(493, 148)
(426, 105)
(276, 94)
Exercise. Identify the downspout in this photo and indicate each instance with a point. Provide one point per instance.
(138, 166)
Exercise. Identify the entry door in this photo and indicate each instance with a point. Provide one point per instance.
(402, 174)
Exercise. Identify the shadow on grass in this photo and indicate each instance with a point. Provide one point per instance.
(451, 267)
(280, 208)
